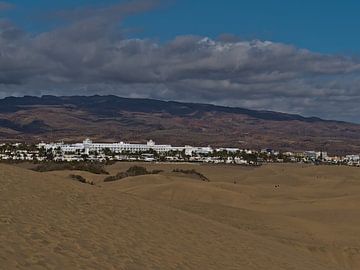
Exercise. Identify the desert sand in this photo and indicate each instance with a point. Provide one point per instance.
(271, 217)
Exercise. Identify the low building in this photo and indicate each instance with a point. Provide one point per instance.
(87, 147)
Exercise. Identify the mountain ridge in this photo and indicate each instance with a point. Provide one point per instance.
(113, 118)
(263, 114)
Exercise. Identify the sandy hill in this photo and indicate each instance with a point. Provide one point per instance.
(274, 217)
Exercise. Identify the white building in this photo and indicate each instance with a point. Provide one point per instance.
(315, 155)
(88, 146)
(228, 149)
(353, 158)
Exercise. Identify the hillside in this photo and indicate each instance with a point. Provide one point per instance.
(274, 217)
(111, 118)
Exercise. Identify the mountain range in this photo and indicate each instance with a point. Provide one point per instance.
(113, 118)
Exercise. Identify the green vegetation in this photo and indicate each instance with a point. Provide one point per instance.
(93, 167)
(81, 179)
(193, 172)
(132, 171)
(11, 147)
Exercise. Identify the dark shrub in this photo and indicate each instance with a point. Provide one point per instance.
(93, 167)
(110, 179)
(81, 179)
(136, 170)
(193, 172)
(132, 171)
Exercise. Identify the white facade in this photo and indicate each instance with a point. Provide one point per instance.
(88, 146)
(354, 158)
(228, 149)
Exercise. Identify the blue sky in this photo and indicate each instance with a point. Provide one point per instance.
(322, 26)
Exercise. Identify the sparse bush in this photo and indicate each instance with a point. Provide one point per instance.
(118, 176)
(132, 171)
(81, 179)
(137, 170)
(193, 172)
(111, 178)
(93, 167)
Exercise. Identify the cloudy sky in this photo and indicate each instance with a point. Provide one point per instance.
(289, 57)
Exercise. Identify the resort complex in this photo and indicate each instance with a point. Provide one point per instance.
(152, 152)
(87, 147)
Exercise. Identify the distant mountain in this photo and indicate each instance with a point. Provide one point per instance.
(110, 118)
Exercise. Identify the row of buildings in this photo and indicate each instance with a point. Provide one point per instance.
(88, 146)
(93, 151)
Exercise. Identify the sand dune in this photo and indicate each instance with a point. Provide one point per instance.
(274, 217)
